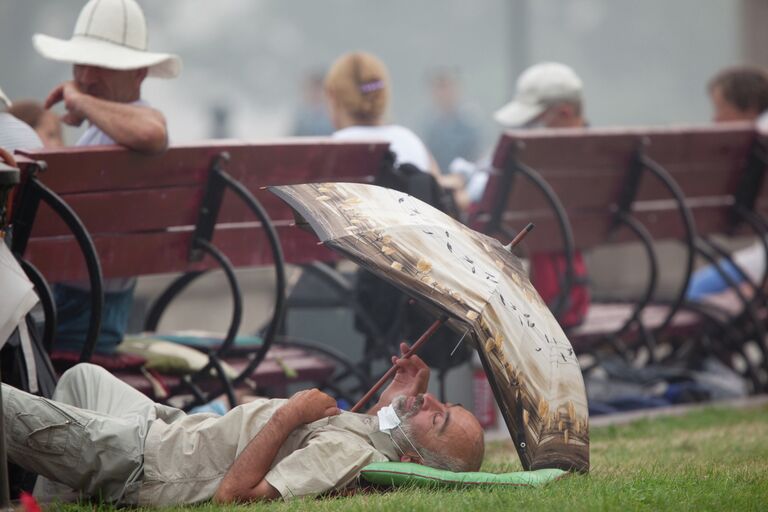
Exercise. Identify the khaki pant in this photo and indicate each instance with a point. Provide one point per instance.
(90, 437)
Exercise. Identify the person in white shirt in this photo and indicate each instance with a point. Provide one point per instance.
(46, 123)
(14, 133)
(358, 90)
(547, 95)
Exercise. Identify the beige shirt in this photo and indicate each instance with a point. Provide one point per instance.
(185, 460)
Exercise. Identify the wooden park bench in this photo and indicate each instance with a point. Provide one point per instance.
(585, 188)
(103, 212)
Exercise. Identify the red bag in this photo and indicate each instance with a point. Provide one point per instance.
(548, 275)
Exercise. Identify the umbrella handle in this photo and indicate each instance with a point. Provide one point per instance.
(519, 237)
(427, 334)
(391, 372)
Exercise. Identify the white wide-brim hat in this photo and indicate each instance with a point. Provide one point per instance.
(94, 52)
(4, 101)
(110, 34)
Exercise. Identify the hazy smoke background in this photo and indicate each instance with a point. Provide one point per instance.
(642, 62)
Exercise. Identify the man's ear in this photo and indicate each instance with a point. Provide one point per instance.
(411, 458)
(563, 111)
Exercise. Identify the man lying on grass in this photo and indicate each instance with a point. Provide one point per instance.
(102, 439)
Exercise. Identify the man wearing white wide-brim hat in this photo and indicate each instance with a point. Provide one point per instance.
(109, 51)
(111, 59)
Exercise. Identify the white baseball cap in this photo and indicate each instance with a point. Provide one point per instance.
(539, 87)
(110, 34)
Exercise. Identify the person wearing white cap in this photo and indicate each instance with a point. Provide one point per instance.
(111, 59)
(14, 133)
(548, 95)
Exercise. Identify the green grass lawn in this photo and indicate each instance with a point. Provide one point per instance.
(714, 459)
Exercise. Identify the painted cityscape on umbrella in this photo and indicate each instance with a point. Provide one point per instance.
(530, 363)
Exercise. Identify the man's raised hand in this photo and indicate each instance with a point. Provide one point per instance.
(312, 405)
(411, 378)
(69, 94)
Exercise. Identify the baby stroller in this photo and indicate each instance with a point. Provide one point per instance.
(23, 362)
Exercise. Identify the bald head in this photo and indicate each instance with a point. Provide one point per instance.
(445, 436)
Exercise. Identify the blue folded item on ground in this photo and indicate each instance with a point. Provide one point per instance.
(707, 280)
(621, 387)
(687, 392)
(626, 403)
(217, 407)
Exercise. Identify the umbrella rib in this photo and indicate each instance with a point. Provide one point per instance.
(459, 343)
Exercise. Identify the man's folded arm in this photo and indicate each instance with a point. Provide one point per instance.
(137, 127)
(244, 480)
(331, 460)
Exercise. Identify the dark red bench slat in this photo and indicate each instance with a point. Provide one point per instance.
(124, 211)
(155, 209)
(129, 202)
(165, 252)
(277, 162)
(591, 164)
(592, 227)
(587, 168)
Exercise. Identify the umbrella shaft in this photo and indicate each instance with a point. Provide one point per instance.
(391, 372)
(527, 229)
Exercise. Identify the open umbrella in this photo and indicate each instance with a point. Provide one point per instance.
(483, 290)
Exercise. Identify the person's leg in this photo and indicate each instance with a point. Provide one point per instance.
(120, 420)
(92, 387)
(81, 449)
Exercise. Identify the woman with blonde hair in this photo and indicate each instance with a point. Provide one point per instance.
(358, 90)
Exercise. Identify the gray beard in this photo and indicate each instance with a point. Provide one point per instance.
(399, 405)
(403, 435)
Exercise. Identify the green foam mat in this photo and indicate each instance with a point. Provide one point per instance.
(408, 473)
